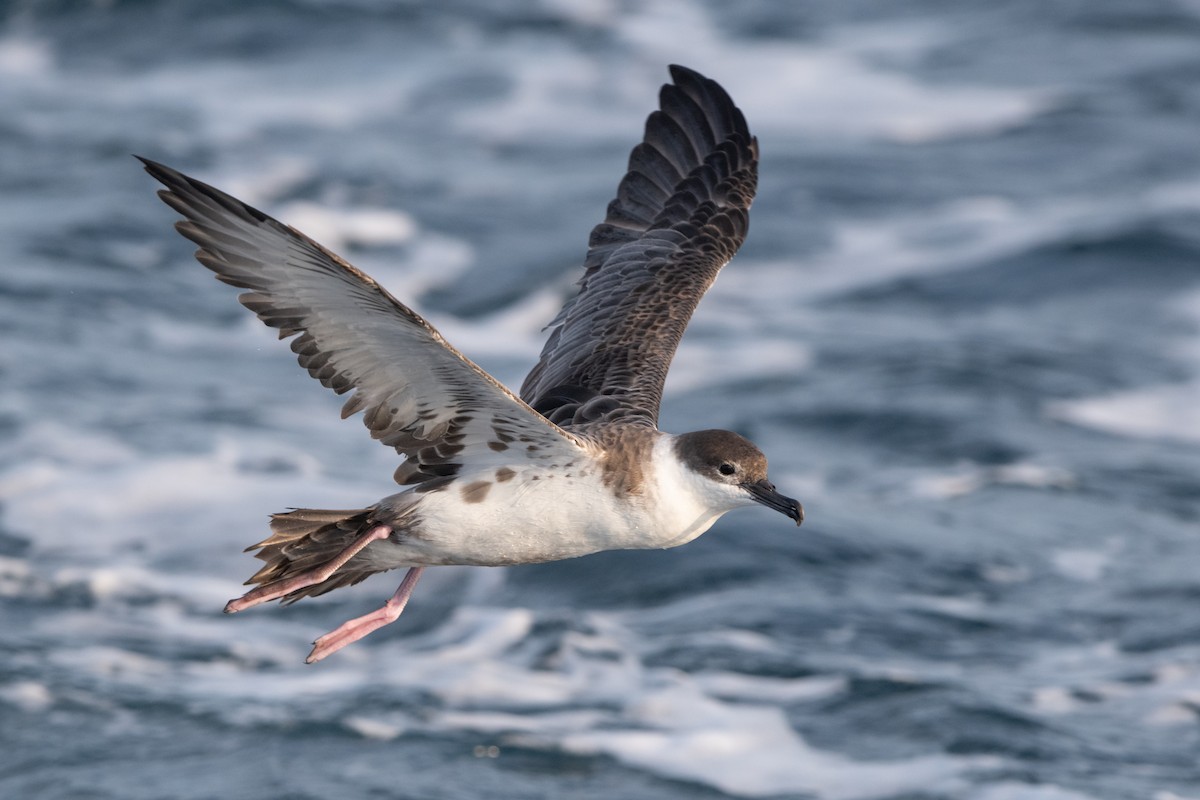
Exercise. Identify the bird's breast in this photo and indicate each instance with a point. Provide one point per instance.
(524, 515)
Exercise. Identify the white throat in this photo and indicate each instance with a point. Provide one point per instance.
(684, 504)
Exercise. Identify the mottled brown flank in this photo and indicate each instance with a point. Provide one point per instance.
(626, 454)
(435, 457)
(476, 491)
(505, 474)
(499, 447)
(706, 451)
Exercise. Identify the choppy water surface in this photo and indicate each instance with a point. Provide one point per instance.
(965, 328)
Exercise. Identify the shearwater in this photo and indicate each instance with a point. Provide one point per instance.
(576, 463)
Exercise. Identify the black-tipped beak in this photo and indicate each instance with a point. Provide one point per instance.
(764, 492)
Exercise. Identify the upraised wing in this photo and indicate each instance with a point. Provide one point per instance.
(680, 214)
(418, 394)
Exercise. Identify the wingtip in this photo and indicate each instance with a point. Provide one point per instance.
(683, 77)
(160, 172)
(680, 72)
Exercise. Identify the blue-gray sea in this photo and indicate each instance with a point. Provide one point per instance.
(965, 328)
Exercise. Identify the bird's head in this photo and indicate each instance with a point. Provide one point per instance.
(734, 471)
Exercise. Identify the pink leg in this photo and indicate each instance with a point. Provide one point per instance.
(355, 629)
(276, 589)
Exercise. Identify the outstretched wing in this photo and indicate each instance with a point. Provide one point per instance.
(680, 214)
(418, 393)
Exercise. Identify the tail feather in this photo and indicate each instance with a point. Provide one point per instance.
(304, 539)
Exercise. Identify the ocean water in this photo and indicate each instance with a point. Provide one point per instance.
(965, 328)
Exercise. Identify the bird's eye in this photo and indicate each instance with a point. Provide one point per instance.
(727, 469)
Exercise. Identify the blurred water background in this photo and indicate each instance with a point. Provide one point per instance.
(965, 328)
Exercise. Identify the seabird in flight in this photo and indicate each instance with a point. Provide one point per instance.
(575, 463)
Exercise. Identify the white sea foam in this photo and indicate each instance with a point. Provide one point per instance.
(29, 696)
(415, 260)
(1157, 412)
(959, 607)
(24, 57)
(968, 478)
(178, 336)
(833, 87)
(1083, 564)
(1096, 679)
(373, 728)
(711, 363)
(1174, 696)
(760, 689)
(1053, 700)
(823, 90)
(955, 235)
(514, 331)
(112, 662)
(234, 104)
(120, 498)
(16, 577)
(551, 97)
(661, 720)
(594, 696)
(1170, 412)
(342, 228)
(751, 751)
(267, 181)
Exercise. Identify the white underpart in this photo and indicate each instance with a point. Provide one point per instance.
(685, 503)
(547, 513)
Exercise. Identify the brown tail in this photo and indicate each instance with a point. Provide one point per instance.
(306, 538)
